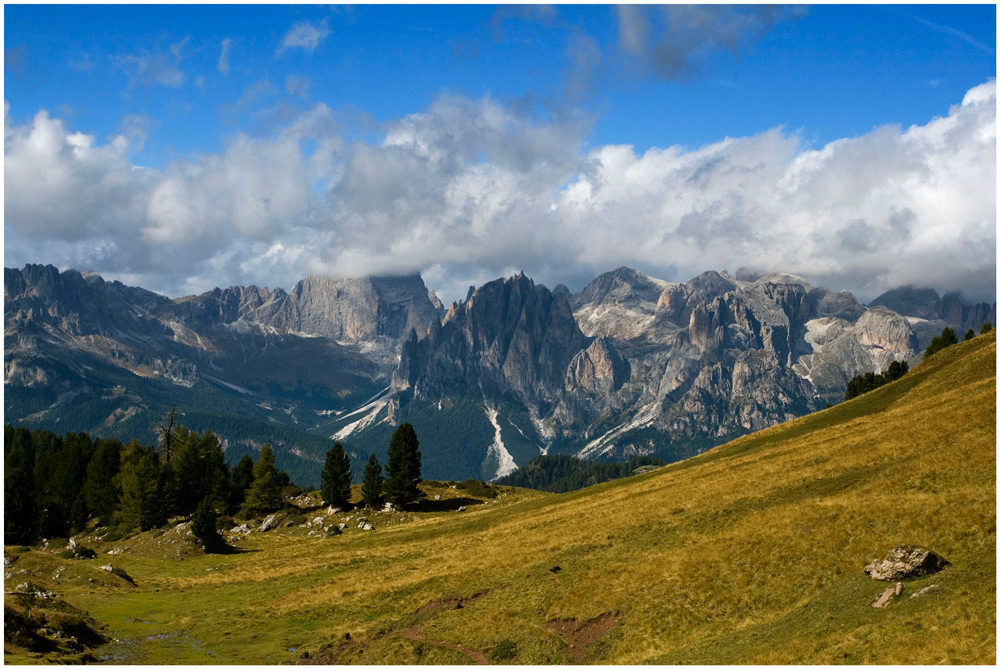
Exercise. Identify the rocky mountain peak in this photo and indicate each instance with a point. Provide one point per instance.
(509, 335)
(621, 303)
(925, 303)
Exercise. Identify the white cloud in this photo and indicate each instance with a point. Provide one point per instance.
(468, 189)
(305, 35)
(153, 67)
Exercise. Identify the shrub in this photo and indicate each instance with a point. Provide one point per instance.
(477, 488)
(504, 651)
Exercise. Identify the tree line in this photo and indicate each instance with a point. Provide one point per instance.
(563, 473)
(400, 485)
(54, 486)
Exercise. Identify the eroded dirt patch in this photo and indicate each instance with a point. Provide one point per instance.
(415, 634)
(578, 636)
(449, 603)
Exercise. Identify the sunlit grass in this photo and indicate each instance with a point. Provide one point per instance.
(751, 553)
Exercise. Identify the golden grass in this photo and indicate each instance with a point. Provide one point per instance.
(750, 553)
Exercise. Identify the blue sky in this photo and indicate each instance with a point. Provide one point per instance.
(468, 141)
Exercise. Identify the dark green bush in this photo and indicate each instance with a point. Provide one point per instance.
(477, 488)
(504, 651)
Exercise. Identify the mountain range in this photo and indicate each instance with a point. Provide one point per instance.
(631, 365)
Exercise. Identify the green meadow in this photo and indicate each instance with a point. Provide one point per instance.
(753, 552)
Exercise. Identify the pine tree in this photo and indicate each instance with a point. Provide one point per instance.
(985, 327)
(265, 491)
(140, 483)
(241, 478)
(199, 468)
(99, 489)
(896, 370)
(336, 477)
(19, 517)
(969, 334)
(371, 485)
(203, 526)
(944, 340)
(403, 466)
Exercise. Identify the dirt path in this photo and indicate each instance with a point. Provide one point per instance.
(415, 634)
(579, 637)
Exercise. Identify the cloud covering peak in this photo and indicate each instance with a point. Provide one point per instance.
(469, 189)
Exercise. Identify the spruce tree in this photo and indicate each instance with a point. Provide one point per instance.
(371, 485)
(336, 477)
(265, 491)
(985, 327)
(944, 340)
(969, 334)
(19, 517)
(99, 489)
(140, 484)
(199, 468)
(403, 466)
(241, 478)
(203, 526)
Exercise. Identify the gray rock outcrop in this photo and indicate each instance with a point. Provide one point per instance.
(904, 562)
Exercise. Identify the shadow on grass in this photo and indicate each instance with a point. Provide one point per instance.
(224, 548)
(452, 504)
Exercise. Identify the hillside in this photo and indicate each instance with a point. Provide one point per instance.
(750, 553)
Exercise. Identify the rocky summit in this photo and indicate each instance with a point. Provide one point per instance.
(630, 365)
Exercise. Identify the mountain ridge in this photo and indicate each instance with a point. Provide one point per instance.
(630, 365)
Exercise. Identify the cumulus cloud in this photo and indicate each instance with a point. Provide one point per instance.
(305, 35)
(468, 190)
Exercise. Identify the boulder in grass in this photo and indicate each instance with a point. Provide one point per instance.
(904, 562)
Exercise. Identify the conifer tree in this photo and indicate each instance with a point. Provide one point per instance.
(371, 485)
(403, 466)
(100, 489)
(241, 478)
(265, 491)
(203, 526)
(969, 334)
(199, 468)
(139, 480)
(19, 517)
(985, 327)
(336, 477)
(944, 340)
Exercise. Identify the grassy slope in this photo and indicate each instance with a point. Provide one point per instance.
(751, 553)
